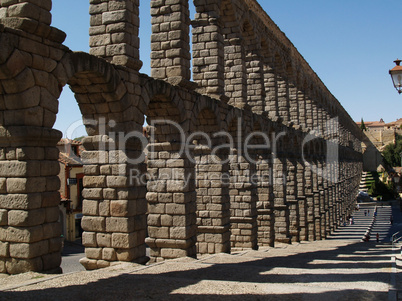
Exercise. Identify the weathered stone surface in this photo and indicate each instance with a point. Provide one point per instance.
(197, 195)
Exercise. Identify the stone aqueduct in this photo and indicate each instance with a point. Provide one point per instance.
(247, 81)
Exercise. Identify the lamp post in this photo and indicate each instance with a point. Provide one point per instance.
(396, 75)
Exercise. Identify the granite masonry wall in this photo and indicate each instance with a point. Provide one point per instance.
(246, 149)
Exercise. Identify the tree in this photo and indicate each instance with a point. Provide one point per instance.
(391, 152)
(363, 126)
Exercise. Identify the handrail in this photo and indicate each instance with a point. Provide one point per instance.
(393, 240)
(393, 235)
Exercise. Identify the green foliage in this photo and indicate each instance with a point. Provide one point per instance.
(380, 189)
(363, 126)
(79, 138)
(391, 152)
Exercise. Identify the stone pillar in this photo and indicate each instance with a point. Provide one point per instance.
(309, 113)
(271, 90)
(311, 231)
(323, 205)
(213, 203)
(29, 198)
(243, 203)
(114, 32)
(283, 100)
(114, 205)
(170, 41)
(301, 100)
(171, 200)
(302, 200)
(281, 208)
(293, 103)
(235, 73)
(317, 199)
(266, 217)
(255, 89)
(291, 198)
(208, 49)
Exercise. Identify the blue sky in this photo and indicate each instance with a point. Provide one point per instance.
(350, 44)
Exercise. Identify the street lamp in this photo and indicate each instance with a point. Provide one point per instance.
(396, 75)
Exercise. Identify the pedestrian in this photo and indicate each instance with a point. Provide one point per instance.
(391, 220)
(378, 237)
(365, 212)
(368, 212)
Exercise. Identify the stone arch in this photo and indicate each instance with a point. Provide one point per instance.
(164, 111)
(98, 89)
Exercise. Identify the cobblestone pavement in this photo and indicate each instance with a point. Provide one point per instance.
(341, 267)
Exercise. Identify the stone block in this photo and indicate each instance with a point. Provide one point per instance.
(93, 253)
(104, 208)
(158, 232)
(51, 230)
(176, 209)
(123, 208)
(154, 220)
(109, 194)
(50, 199)
(3, 217)
(26, 251)
(173, 253)
(182, 232)
(94, 181)
(123, 240)
(120, 224)
(95, 157)
(21, 201)
(17, 266)
(52, 183)
(116, 181)
(3, 269)
(102, 264)
(104, 239)
(55, 244)
(127, 254)
(166, 220)
(4, 249)
(26, 218)
(3, 187)
(52, 214)
(27, 235)
(93, 224)
(51, 261)
(90, 207)
(92, 193)
(89, 239)
(109, 254)
(49, 168)
(89, 264)
(91, 170)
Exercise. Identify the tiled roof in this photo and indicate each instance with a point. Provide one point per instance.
(71, 160)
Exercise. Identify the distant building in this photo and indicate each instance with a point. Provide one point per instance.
(71, 184)
(381, 133)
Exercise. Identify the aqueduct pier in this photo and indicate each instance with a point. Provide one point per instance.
(247, 149)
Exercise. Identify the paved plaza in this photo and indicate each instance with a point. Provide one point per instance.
(342, 267)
